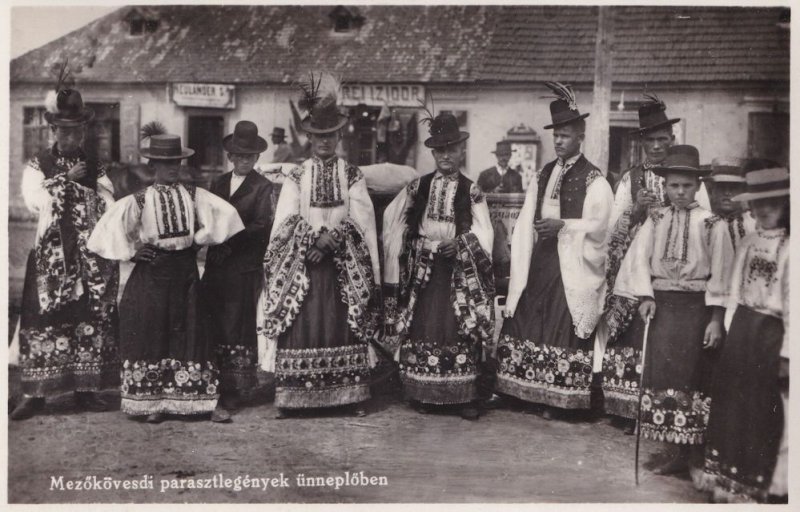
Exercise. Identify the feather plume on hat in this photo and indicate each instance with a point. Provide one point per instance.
(654, 100)
(563, 92)
(319, 91)
(429, 116)
(51, 100)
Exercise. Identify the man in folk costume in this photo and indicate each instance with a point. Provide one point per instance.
(438, 277)
(640, 191)
(168, 363)
(68, 327)
(501, 179)
(678, 267)
(557, 281)
(233, 276)
(724, 183)
(320, 307)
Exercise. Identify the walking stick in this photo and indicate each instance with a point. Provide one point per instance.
(639, 410)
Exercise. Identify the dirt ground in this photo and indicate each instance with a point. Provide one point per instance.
(506, 456)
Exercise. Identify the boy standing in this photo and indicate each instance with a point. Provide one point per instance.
(233, 276)
(678, 269)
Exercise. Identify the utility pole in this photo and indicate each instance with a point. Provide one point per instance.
(598, 123)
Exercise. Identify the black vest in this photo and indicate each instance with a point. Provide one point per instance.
(462, 205)
(573, 188)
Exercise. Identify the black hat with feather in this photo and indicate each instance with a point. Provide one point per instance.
(564, 110)
(319, 100)
(443, 128)
(653, 115)
(65, 105)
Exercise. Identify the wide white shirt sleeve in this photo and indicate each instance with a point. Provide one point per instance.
(116, 235)
(622, 199)
(288, 205)
(362, 212)
(634, 278)
(35, 196)
(394, 228)
(218, 220)
(721, 254)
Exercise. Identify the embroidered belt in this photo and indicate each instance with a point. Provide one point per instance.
(175, 252)
(675, 285)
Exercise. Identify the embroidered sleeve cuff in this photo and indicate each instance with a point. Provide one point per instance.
(716, 300)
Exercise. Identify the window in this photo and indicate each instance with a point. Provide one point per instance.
(624, 150)
(137, 27)
(35, 135)
(768, 136)
(377, 135)
(205, 138)
(342, 24)
(140, 20)
(103, 132)
(345, 19)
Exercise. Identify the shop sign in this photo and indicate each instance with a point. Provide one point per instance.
(378, 95)
(203, 95)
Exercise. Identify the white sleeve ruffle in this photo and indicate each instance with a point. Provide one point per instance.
(116, 235)
(218, 220)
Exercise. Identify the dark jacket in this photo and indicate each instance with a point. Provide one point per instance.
(489, 180)
(253, 202)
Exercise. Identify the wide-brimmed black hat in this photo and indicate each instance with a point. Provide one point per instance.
(166, 147)
(653, 115)
(564, 110)
(69, 109)
(278, 132)
(682, 158)
(765, 183)
(503, 148)
(445, 131)
(244, 139)
(562, 114)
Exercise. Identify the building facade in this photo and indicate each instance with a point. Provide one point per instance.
(198, 70)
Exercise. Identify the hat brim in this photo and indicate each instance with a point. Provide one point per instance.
(565, 123)
(724, 178)
(694, 171)
(752, 196)
(432, 142)
(185, 153)
(53, 118)
(305, 124)
(658, 126)
(230, 147)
